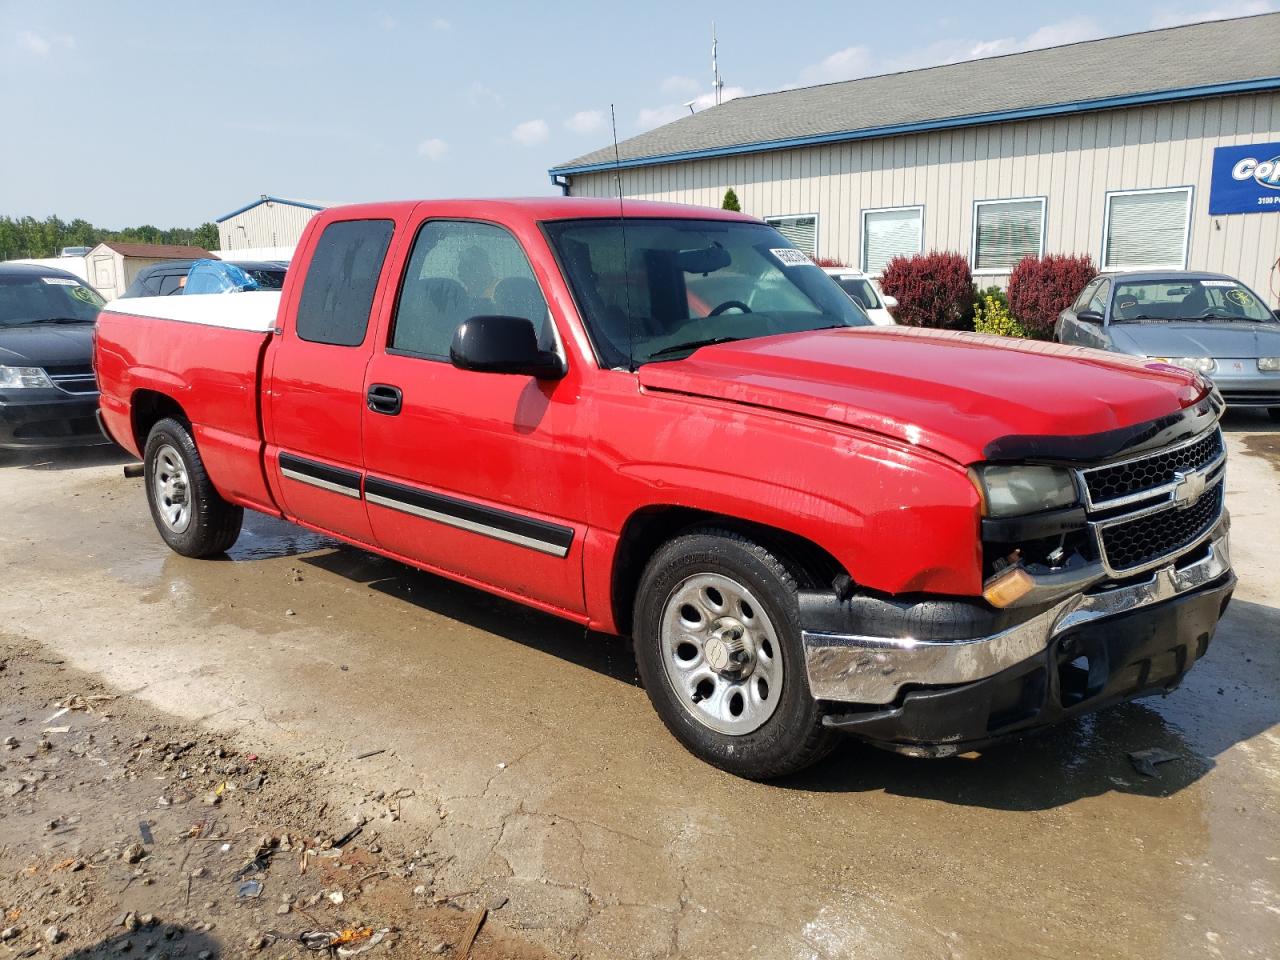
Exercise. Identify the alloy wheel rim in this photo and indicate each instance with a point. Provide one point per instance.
(170, 487)
(721, 654)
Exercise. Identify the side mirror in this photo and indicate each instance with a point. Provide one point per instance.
(890, 303)
(503, 345)
(1089, 316)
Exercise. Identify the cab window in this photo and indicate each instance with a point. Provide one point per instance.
(461, 269)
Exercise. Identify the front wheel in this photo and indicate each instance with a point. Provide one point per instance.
(190, 514)
(717, 639)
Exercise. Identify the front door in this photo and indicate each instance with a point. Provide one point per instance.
(316, 380)
(476, 474)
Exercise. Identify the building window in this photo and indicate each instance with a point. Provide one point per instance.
(1005, 231)
(888, 233)
(1146, 228)
(801, 231)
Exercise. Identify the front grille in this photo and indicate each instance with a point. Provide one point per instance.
(1136, 543)
(73, 378)
(1250, 398)
(1147, 473)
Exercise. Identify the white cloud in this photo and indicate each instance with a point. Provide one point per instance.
(650, 117)
(480, 92)
(842, 65)
(531, 132)
(387, 22)
(440, 23)
(676, 85)
(853, 62)
(433, 148)
(586, 121)
(1224, 11)
(41, 45)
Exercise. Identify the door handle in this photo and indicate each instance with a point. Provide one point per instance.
(384, 398)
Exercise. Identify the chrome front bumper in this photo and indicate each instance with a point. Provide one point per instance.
(854, 668)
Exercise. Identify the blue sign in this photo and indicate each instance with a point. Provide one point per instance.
(1245, 179)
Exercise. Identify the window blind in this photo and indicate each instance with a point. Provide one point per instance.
(801, 232)
(1004, 233)
(887, 234)
(1146, 229)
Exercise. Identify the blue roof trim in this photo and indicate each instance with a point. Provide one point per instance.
(267, 199)
(968, 120)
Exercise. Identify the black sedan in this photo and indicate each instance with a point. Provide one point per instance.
(1206, 322)
(48, 394)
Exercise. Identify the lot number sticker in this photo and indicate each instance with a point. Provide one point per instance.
(790, 258)
(60, 282)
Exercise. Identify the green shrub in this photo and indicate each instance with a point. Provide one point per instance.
(731, 201)
(991, 315)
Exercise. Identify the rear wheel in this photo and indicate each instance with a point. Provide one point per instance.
(718, 648)
(191, 516)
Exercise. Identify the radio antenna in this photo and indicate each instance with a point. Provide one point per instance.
(622, 228)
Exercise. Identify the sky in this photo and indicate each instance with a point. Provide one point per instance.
(172, 115)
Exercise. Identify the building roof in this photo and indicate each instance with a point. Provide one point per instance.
(268, 198)
(157, 251)
(1158, 66)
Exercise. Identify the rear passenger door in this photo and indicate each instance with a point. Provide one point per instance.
(477, 474)
(315, 407)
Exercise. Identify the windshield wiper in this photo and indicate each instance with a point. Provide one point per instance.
(692, 345)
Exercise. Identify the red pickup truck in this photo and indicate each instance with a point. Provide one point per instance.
(666, 422)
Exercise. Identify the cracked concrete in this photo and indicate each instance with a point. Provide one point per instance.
(541, 784)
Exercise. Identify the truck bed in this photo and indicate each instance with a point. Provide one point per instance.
(205, 351)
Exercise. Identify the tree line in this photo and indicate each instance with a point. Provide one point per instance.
(22, 237)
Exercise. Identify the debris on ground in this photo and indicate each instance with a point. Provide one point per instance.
(1144, 761)
(93, 865)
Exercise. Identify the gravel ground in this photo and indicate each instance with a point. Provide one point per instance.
(126, 834)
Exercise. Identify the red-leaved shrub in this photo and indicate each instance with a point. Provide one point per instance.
(1040, 288)
(828, 262)
(933, 289)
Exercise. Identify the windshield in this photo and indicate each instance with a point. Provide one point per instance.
(35, 299)
(267, 279)
(1177, 298)
(863, 293)
(688, 283)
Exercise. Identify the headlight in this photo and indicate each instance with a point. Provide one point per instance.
(1013, 491)
(1269, 364)
(17, 378)
(1194, 364)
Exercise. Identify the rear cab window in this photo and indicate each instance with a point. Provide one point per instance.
(342, 280)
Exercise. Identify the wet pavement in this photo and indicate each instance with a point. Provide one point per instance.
(545, 777)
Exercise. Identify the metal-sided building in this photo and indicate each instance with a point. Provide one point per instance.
(266, 222)
(1156, 149)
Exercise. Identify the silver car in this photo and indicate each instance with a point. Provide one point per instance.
(1206, 322)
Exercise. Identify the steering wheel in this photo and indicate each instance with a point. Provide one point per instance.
(729, 305)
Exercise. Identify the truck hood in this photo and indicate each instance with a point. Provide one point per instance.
(950, 392)
(1239, 339)
(46, 345)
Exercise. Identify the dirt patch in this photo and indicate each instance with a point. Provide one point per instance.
(1265, 446)
(126, 834)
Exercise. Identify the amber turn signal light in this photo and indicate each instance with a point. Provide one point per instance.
(1009, 587)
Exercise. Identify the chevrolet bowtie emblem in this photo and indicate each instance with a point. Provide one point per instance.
(1187, 488)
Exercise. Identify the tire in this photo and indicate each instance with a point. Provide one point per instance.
(191, 516)
(778, 729)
